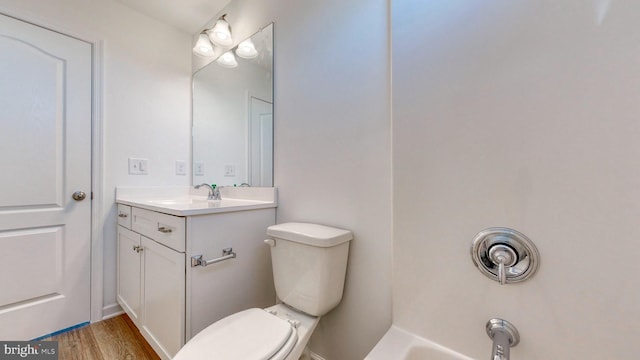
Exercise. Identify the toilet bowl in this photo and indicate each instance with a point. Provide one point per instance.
(309, 267)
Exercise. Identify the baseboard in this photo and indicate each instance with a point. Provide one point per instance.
(111, 310)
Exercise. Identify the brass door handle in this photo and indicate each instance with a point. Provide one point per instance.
(79, 195)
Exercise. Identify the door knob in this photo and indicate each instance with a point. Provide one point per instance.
(79, 195)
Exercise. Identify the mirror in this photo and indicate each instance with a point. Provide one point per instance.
(232, 129)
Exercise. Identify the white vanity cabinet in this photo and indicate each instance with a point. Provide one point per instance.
(170, 300)
(151, 278)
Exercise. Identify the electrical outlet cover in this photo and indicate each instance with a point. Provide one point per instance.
(198, 168)
(181, 167)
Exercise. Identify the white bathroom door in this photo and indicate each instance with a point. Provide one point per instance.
(45, 157)
(260, 142)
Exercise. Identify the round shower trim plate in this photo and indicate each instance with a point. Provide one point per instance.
(527, 256)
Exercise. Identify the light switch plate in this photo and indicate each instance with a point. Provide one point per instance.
(198, 168)
(181, 167)
(138, 166)
(229, 170)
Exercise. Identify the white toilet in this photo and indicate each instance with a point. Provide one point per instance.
(309, 265)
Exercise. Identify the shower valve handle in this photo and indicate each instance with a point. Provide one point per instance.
(502, 255)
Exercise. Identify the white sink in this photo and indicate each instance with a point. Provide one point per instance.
(200, 203)
(185, 203)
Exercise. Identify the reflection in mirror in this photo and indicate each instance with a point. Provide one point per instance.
(233, 117)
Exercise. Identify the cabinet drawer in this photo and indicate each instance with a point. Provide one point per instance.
(124, 216)
(166, 229)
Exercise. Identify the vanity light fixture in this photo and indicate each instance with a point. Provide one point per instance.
(203, 45)
(247, 50)
(227, 60)
(220, 34)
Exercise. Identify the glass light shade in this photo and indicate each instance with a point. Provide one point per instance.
(203, 46)
(220, 34)
(247, 50)
(227, 60)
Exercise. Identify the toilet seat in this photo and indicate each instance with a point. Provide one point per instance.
(252, 334)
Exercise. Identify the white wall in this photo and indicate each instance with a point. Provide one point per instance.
(333, 150)
(146, 95)
(332, 145)
(521, 114)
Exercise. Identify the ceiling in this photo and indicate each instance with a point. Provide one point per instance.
(186, 15)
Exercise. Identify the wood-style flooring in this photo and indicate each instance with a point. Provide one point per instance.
(113, 339)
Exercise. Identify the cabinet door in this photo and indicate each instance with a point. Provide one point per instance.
(163, 297)
(128, 273)
(246, 281)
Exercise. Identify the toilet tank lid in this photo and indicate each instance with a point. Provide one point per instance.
(310, 234)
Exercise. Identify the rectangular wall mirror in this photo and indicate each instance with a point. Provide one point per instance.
(232, 129)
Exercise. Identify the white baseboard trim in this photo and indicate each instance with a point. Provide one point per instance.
(111, 310)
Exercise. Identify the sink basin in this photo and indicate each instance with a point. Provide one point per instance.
(186, 201)
(197, 205)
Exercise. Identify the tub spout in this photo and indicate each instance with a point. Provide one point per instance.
(504, 336)
(501, 345)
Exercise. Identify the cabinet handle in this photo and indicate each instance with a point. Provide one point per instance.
(123, 215)
(164, 229)
(227, 254)
(137, 248)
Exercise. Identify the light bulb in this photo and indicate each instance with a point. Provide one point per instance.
(247, 50)
(220, 34)
(227, 60)
(203, 46)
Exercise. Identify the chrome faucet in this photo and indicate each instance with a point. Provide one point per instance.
(214, 191)
(504, 336)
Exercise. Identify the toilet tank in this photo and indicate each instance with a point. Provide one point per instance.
(309, 265)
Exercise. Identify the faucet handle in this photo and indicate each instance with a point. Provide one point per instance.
(502, 276)
(502, 255)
